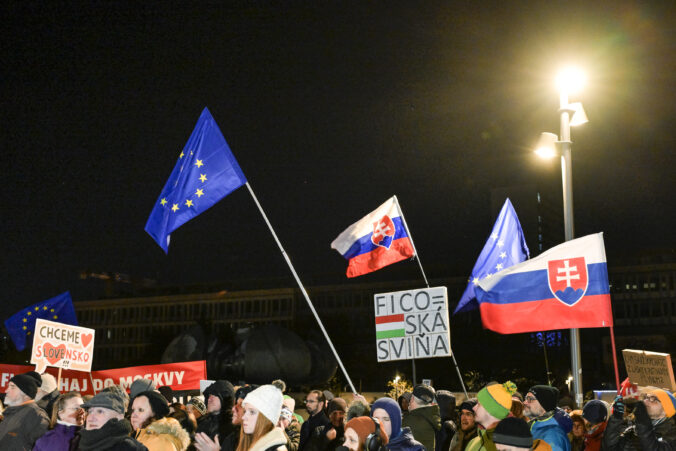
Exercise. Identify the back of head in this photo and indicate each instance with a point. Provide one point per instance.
(446, 402)
(48, 383)
(513, 432)
(140, 385)
(595, 412)
(366, 428)
(424, 395)
(356, 409)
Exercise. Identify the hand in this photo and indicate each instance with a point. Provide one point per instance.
(331, 434)
(618, 407)
(358, 397)
(204, 443)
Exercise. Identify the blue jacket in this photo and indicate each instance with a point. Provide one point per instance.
(549, 430)
(404, 442)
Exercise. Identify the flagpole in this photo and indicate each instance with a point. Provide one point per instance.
(410, 237)
(302, 288)
(417, 257)
(612, 344)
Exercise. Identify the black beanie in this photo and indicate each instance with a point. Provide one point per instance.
(35, 375)
(167, 392)
(513, 431)
(468, 405)
(27, 384)
(157, 403)
(595, 411)
(224, 391)
(546, 395)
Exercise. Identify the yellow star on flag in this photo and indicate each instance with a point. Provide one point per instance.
(37, 308)
(56, 317)
(24, 328)
(163, 201)
(188, 203)
(51, 310)
(203, 177)
(199, 163)
(28, 333)
(174, 208)
(199, 192)
(25, 320)
(29, 313)
(44, 308)
(182, 155)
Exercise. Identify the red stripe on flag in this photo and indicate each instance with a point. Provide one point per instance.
(547, 314)
(400, 249)
(389, 319)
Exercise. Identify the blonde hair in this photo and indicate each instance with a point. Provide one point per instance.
(60, 404)
(263, 426)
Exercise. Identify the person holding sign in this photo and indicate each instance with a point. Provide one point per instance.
(654, 427)
(24, 421)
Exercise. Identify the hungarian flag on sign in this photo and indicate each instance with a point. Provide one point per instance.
(390, 326)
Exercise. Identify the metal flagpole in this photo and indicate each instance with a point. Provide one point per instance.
(302, 288)
(417, 257)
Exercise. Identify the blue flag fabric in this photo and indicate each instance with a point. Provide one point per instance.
(506, 246)
(21, 325)
(206, 172)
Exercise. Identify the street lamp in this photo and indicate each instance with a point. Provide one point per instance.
(568, 81)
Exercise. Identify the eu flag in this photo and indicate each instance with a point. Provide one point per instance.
(21, 325)
(206, 172)
(506, 246)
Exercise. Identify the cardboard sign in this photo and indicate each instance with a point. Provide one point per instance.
(62, 346)
(647, 368)
(181, 377)
(412, 324)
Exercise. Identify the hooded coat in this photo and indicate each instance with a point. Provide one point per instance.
(424, 423)
(401, 439)
(641, 436)
(446, 403)
(165, 434)
(218, 423)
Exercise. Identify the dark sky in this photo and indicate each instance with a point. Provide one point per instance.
(329, 110)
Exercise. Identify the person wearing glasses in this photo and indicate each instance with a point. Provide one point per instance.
(654, 427)
(314, 404)
(67, 420)
(545, 421)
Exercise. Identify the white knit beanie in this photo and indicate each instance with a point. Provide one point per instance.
(267, 399)
(48, 383)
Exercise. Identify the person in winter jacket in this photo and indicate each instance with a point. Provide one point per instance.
(468, 426)
(576, 436)
(148, 419)
(314, 404)
(493, 404)
(446, 403)
(388, 412)
(359, 429)
(67, 420)
(423, 416)
(329, 437)
(654, 425)
(262, 408)
(289, 423)
(24, 422)
(47, 393)
(547, 422)
(220, 397)
(105, 427)
(595, 413)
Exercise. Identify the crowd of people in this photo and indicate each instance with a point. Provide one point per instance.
(263, 418)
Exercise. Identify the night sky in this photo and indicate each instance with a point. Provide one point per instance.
(330, 110)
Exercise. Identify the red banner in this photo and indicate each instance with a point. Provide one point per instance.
(179, 376)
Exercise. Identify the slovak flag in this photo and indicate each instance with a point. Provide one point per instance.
(375, 241)
(564, 288)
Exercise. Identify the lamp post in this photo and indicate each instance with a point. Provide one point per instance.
(568, 81)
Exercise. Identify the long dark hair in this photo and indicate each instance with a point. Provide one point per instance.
(60, 404)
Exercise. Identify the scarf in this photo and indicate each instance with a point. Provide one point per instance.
(110, 434)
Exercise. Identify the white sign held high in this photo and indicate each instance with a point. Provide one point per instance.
(412, 324)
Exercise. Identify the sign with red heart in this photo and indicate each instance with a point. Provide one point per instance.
(62, 346)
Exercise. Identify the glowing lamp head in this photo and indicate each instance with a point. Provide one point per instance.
(570, 80)
(546, 146)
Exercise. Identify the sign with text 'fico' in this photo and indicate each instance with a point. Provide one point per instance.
(62, 346)
(412, 324)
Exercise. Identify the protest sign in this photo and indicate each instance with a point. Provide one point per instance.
(62, 346)
(182, 376)
(412, 324)
(647, 368)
